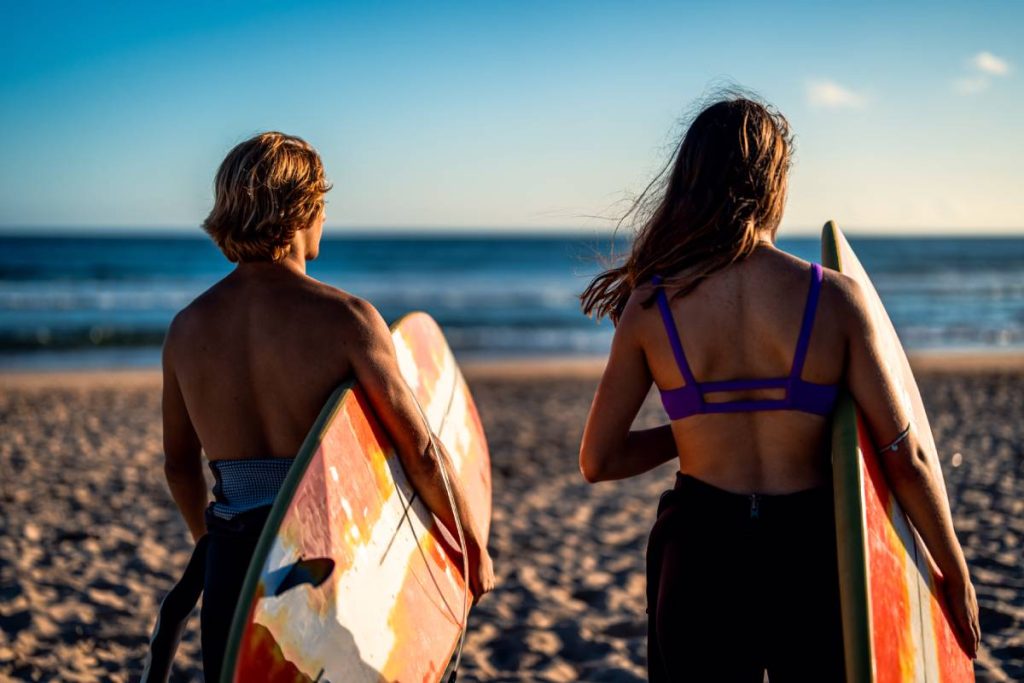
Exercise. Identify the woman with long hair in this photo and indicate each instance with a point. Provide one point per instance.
(749, 347)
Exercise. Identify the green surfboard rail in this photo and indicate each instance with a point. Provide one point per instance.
(851, 535)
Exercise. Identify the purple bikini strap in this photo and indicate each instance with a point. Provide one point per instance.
(807, 327)
(673, 333)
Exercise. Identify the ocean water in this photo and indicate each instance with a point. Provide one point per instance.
(105, 301)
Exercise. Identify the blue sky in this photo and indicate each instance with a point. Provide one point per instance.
(508, 115)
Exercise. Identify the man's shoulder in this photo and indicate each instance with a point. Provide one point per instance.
(186, 320)
(343, 304)
(344, 312)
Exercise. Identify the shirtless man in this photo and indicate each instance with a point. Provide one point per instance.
(248, 365)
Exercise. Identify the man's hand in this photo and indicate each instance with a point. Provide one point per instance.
(481, 573)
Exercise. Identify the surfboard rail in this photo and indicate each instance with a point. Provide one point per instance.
(852, 541)
(895, 625)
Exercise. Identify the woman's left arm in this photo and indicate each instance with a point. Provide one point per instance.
(610, 450)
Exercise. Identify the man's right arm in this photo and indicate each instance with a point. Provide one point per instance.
(375, 365)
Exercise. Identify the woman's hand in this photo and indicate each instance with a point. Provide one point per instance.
(963, 608)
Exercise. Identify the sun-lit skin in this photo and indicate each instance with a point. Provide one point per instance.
(767, 452)
(250, 363)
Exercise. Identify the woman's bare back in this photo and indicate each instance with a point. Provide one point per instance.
(256, 357)
(743, 323)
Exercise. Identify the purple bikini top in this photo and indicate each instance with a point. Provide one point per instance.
(801, 395)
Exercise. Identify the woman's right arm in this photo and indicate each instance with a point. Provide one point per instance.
(907, 469)
(610, 448)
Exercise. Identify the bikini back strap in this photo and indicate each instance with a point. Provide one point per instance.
(673, 333)
(810, 310)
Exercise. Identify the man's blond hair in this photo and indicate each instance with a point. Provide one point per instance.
(268, 188)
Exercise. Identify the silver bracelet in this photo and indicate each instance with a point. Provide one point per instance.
(894, 445)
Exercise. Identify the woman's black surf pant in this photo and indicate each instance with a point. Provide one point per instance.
(739, 585)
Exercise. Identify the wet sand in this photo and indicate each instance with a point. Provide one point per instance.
(90, 540)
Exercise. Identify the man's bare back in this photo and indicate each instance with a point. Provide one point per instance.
(256, 357)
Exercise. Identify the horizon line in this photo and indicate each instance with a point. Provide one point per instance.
(364, 231)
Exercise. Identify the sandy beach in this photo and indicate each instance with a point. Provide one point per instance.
(90, 540)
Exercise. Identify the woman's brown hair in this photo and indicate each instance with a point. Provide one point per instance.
(267, 188)
(726, 186)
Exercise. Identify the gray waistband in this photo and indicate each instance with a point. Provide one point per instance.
(246, 484)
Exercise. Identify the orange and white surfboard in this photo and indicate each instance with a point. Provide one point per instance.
(895, 624)
(353, 579)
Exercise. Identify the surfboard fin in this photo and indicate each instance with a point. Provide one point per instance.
(313, 571)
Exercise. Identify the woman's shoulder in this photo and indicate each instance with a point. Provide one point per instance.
(842, 301)
(838, 291)
(844, 289)
(846, 297)
(636, 316)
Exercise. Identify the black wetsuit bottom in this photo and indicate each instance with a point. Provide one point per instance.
(738, 585)
(231, 546)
